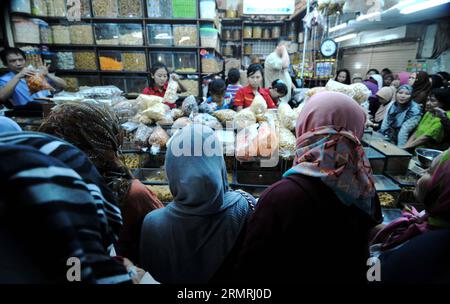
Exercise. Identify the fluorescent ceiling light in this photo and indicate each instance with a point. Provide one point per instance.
(338, 27)
(422, 6)
(346, 37)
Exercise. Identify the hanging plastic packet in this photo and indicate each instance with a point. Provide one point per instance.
(171, 95)
(37, 82)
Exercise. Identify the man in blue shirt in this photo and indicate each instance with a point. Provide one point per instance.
(13, 87)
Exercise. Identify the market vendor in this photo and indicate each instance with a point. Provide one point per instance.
(277, 91)
(244, 97)
(218, 98)
(159, 80)
(14, 90)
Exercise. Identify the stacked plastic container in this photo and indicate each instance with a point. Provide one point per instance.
(209, 37)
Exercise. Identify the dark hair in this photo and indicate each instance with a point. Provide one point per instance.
(386, 71)
(373, 70)
(279, 86)
(9, 51)
(217, 87)
(253, 68)
(445, 75)
(153, 70)
(436, 81)
(233, 76)
(443, 96)
(347, 76)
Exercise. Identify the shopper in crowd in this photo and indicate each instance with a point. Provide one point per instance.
(97, 132)
(218, 98)
(65, 210)
(330, 182)
(357, 78)
(8, 125)
(159, 80)
(385, 96)
(385, 72)
(14, 90)
(244, 97)
(233, 82)
(371, 72)
(387, 80)
(445, 78)
(402, 118)
(343, 76)
(415, 247)
(188, 240)
(436, 81)
(276, 66)
(379, 79)
(403, 77)
(421, 87)
(374, 104)
(277, 90)
(433, 129)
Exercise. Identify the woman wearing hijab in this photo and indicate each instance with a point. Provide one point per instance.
(96, 131)
(378, 79)
(385, 96)
(402, 118)
(432, 131)
(188, 240)
(322, 209)
(403, 77)
(65, 210)
(425, 235)
(421, 85)
(373, 103)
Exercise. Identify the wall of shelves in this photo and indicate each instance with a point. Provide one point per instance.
(184, 60)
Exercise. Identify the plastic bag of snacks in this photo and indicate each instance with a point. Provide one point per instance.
(267, 140)
(167, 120)
(208, 108)
(142, 133)
(335, 86)
(247, 143)
(146, 101)
(314, 91)
(360, 92)
(208, 120)
(259, 105)
(181, 123)
(176, 113)
(287, 143)
(37, 82)
(224, 116)
(156, 111)
(189, 105)
(171, 93)
(158, 139)
(287, 116)
(243, 119)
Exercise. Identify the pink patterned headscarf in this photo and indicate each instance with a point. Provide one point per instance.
(437, 211)
(329, 130)
(403, 77)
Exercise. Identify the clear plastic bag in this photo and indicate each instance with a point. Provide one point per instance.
(143, 133)
(181, 123)
(189, 105)
(287, 143)
(206, 107)
(37, 82)
(157, 111)
(208, 120)
(243, 119)
(267, 140)
(167, 120)
(146, 101)
(259, 105)
(171, 93)
(247, 143)
(176, 113)
(225, 115)
(158, 138)
(287, 116)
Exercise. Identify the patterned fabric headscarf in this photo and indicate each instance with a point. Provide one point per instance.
(96, 131)
(329, 130)
(437, 211)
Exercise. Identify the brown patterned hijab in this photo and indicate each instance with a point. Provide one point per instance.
(97, 132)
